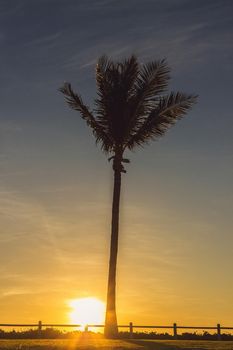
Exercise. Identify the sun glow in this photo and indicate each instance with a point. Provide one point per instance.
(86, 311)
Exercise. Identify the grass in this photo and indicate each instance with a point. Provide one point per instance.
(82, 343)
(92, 343)
(184, 344)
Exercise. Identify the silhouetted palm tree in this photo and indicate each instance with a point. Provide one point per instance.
(129, 112)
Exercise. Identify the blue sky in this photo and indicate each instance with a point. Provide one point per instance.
(176, 228)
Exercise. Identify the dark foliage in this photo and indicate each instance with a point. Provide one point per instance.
(132, 106)
(48, 333)
(183, 336)
(52, 333)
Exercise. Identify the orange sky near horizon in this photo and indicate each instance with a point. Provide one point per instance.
(162, 277)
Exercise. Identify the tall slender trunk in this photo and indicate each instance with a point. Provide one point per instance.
(111, 328)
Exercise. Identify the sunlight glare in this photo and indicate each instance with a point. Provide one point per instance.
(86, 311)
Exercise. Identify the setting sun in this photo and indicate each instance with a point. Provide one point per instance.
(86, 311)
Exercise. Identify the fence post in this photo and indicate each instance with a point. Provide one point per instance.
(39, 328)
(175, 330)
(218, 331)
(131, 330)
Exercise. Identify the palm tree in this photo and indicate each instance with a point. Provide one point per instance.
(129, 112)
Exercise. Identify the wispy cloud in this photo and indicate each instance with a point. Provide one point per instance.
(47, 41)
(13, 292)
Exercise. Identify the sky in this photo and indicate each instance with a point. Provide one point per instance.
(176, 243)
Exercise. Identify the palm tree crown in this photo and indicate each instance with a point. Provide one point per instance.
(130, 110)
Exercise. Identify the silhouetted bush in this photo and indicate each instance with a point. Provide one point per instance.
(185, 336)
(47, 333)
(53, 333)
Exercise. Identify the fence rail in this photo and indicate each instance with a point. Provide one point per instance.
(130, 326)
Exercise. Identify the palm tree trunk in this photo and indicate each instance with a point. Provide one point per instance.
(111, 328)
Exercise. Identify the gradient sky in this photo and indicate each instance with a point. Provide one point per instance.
(176, 242)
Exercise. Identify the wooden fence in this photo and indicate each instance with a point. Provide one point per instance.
(131, 327)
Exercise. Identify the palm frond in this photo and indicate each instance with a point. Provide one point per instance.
(169, 110)
(75, 102)
(101, 67)
(129, 70)
(152, 79)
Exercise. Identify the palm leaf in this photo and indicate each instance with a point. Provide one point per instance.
(152, 80)
(169, 109)
(75, 102)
